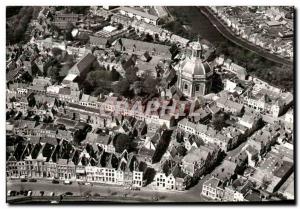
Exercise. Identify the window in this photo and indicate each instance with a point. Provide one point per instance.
(186, 86)
(197, 88)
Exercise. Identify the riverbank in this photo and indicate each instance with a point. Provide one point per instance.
(275, 73)
(228, 34)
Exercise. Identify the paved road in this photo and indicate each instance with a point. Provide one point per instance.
(227, 33)
(107, 190)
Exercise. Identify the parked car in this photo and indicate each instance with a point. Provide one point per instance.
(87, 183)
(32, 180)
(23, 180)
(12, 193)
(135, 188)
(9, 193)
(68, 193)
(55, 181)
(66, 182)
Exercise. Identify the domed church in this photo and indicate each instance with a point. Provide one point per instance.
(194, 73)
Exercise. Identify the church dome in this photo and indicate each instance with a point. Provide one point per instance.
(195, 67)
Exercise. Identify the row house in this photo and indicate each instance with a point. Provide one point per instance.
(140, 47)
(127, 109)
(21, 152)
(24, 127)
(90, 101)
(121, 19)
(156, 31)
(116, 170)
(78, 51)
(66, 170)
(49, 43)
(43, 161)
(45, 130)
(139, 15)
(206, 133)
(36, 160)
(11, 167)
(237, 191)
(199, 161)
(250, 120)
(19, 88)
(101, 175)
(229, 106)
(213, 188)
(22, 104)
(272, 172)
(263, 139)
(268, 101)
(102, 140)
(68, 95)
(90, 115)
(100, 42)
(171, 177)
(163, 181)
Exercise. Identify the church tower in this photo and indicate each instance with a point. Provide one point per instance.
(194, 73)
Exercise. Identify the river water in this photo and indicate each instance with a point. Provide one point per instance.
(198, 23)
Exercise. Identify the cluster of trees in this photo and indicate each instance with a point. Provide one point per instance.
(99, 81)
(123, 142)
(17, 24)
(177, 28)
(132, 85)
(281, 76)
(219, 120)
(78, 9)
(182, 18)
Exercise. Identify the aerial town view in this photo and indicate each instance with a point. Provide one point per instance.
(149, 104)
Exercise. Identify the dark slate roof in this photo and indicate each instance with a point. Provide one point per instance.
(85, 61)
(98, 40)
(141, 46)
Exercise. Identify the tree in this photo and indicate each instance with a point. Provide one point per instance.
(218, 121)
(31, 100)
(179, 137)
(56, 51)
(120, 26)
(68, 34)
(148, 38)
(114, 75)
(53, 73)
(149, 85)
(130, 74)
(122, 87)
(181, 150)
(122, 142)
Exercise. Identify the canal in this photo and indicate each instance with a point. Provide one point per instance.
(195, 23)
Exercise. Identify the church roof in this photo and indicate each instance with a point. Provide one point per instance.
(195, 67)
